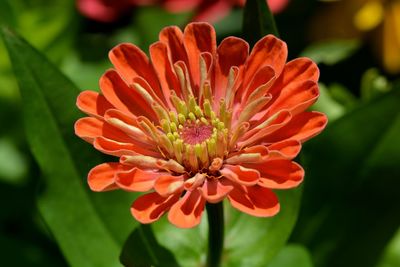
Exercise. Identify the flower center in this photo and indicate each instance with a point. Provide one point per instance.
(193, 133)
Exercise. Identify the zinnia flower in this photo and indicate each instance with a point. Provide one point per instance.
(205, 10)
(198, 123)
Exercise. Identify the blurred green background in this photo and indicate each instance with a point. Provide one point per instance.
(350, 210)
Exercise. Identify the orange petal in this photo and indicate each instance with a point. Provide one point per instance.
(265, 76)
(295, 97)
(186, 213)
(269, 51)
(214, 190)
(93, 103)
(169, 184)
(172, 36)
(130, 61)
(89, 128)
(165, 72)
(286, 149)
(102, 177)
(280, 174)
(150, 207)
(123, 97)
(240, 174)
(232, 51)
(254, 200)
(198, 37)
(115, 148)
(136, 180)
(302, 127)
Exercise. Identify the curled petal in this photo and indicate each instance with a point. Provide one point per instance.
(214, 190)
(150, 207)
(301, 127)
(93, 103)
(102, 177)
(286, 149)
(119, 149)
(172, 36)
(280, 174)
(240, 175)
(169, 184)
(186, 213)
(254, 200)
(136, 180)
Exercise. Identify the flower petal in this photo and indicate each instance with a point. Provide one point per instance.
(186, 213)
(102, 177)
(136, 180)
(301, 127)
(254, 200)
(150, 207)
(130, 61)
(269, 51)
(89, 128)
(119, 149)
(93, 103)
(286, 149)
(123, 97)
(240, 174)
(280, 174)
(172, 36)
(199, 37)
(214, 190)
(169, 184)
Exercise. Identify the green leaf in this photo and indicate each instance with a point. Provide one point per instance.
(351, 203)
(391, 257)
(373, 84)
(258, 21)
(331, 52)
(142, 250)
(71, 214)
(328, 105)
(6, 13)
(292, 255)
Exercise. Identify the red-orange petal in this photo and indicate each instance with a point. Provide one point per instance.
(269, 51)
(93, 103)
(136, 180)
(240, 174)
(169, 184)
(214, 190)
(199, 37)
(102, 177)
(280, 174)
(301, 127)
(186, 213)
(286, 149)
(172, 36)
(130, 61)
(254, 200)
(295, 97)
(123, 97)
(150, 207)
(115, 148)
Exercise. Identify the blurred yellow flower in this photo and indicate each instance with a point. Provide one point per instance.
(377, 21)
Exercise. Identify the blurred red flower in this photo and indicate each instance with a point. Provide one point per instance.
(198, 123)
(205, 10)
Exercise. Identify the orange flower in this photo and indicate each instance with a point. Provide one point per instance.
(198, 123)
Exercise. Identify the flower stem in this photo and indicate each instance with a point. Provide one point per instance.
(215, 214)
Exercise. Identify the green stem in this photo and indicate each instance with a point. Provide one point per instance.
(215, 214)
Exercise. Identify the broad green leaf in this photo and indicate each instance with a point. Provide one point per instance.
(351, 201)
(331, 52)
(142, 250)
(6, 13)
(292, 255)
(72, 216)
(258, 21)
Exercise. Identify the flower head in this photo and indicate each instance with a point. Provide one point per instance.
(198, 123)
